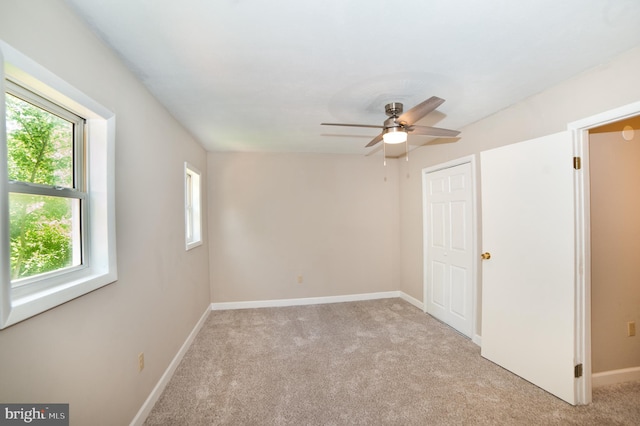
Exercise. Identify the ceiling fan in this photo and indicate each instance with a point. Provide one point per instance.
(396, 128)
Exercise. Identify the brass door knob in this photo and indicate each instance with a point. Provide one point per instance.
(485, 256)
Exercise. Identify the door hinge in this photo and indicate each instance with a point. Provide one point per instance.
(577, 163)
(577, 371)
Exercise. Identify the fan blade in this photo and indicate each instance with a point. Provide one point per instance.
(352, 125)
(374, 141)
(432, 131)
(420, 110)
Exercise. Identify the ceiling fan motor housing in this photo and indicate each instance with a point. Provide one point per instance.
(394, 109)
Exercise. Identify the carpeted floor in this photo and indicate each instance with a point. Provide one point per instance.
(381, 362)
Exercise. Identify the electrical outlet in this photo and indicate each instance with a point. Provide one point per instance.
(140, 361)
(631, 328)
(300, 279)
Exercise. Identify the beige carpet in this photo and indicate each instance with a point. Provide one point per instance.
(381, 362)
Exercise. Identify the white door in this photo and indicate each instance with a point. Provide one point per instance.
(528, 300)
(448, 196)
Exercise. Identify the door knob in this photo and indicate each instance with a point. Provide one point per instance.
(485, 256)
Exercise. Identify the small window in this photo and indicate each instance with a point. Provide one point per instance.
(192, 207)
(57, 212)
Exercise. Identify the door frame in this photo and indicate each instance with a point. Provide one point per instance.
(471, 159)
(580, 134)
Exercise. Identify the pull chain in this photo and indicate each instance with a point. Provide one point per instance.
(384, 153)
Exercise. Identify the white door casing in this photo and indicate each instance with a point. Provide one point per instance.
(449, 266)
(528, 227)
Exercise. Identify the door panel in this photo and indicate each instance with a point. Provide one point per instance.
(438, 288)
(458, 291)
(438, 212)
(528, 283)
(448, 246)
(459, 237)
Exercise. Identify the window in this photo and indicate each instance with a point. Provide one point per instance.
(57, 226)
(192, 209)
(45, 145)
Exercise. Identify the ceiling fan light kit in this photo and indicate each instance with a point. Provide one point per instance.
(394, 135)
(397, 127)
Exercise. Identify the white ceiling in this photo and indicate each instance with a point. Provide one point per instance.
(250, 75)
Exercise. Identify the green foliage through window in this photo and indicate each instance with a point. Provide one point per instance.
(43, 228)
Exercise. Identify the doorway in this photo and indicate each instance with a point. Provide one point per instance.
(614, 152)
(583, 343)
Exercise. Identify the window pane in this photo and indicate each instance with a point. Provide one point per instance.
(39, 145)
(193, 237)
(189, 207)
(45, 234)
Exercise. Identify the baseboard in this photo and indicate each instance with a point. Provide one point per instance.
(415, 302)
(477, 340)
(615, 376)
(310, 301)
(146, 408)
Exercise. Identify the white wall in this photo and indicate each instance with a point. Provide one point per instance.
(85, 352)
(603, 88)
(331, 218)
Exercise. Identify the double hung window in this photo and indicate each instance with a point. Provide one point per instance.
(47, 191)
(57, 211)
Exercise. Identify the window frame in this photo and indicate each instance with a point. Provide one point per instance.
(192, 206)
(47, 291)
